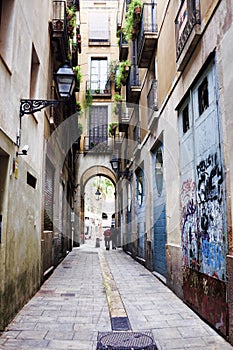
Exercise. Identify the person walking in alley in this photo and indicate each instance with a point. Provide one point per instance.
(107, 238)
(114, 237)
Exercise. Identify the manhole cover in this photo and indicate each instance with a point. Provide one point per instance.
(126, 341)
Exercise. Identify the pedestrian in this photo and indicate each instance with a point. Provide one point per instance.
(107, 238)
(114, 237)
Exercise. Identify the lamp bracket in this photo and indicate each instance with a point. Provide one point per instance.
(31, 106)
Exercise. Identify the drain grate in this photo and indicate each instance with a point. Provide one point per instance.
(126, 341)
(120, 324)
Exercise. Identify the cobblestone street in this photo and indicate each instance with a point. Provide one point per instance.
(91, 288)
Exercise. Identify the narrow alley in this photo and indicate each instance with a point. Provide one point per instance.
(93, 289)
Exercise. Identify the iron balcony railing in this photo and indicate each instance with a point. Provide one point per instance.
(123, 48)
(133, 88)
(148, 23)
(123, 116)
(97, 145)
(188, 16)
(99, 87)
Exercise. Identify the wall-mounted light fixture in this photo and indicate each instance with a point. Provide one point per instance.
(24, 151)
(65, 81)
(115, 164)
(98, 193)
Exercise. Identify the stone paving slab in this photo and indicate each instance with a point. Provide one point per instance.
(76, 303)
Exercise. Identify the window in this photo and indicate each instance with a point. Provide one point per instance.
(99, 74)
(185, 119)
(139, 175)
(31, 180)
(203, 96)
(159, 170)
(98, 132)
(99, 28)
(34, 72)
(7, 30)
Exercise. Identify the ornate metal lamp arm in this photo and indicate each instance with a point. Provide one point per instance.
(31, 106)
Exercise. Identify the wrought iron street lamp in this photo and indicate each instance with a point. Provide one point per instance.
(115, 164)
(65, 80)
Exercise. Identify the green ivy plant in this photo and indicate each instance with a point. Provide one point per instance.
(71, 19)
(122, 73)
(117, 101)
(132, 20)
(89, 98)
(112, 128)
(77, 71)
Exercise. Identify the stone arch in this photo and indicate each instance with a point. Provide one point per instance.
(95, 170)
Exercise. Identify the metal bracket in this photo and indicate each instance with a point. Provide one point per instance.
(31, 106)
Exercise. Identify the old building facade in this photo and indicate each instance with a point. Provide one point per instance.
(36, 168)
(175, 214)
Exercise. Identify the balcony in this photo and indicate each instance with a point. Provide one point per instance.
(123, 48)
(123, 116)
(147, 36)
(188, 31)
(98, 146)
(58, 29)
(99, 88)
(133, 86)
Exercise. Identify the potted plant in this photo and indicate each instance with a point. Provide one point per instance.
(79, 107)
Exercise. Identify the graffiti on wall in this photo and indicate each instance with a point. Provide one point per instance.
(210, 193)
(203, 219)
(189, 224)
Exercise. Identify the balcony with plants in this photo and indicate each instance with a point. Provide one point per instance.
(147, 35)
(59, 30)
(99, 88)
(132, 20)
(188, 30)
(64, 32)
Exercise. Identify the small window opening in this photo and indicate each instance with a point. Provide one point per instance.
(203, 96)
(31, 180)
(185, 116)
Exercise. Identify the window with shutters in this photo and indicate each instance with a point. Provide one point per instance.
(98, 131)
(7, 42)
(99, 74)
(99, 28)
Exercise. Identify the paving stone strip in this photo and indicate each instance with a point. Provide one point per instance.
(119, 318)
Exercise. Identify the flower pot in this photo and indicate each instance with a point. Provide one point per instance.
(138, 10)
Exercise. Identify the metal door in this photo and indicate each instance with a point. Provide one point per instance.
(204, 238)
(159, 212)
